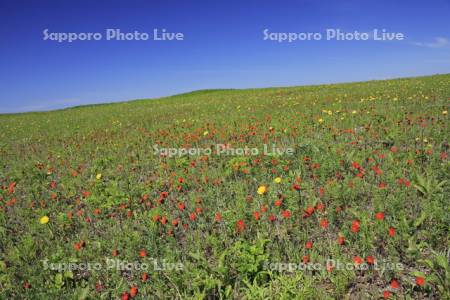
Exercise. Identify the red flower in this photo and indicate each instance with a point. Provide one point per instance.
(356, 165)
(370, 260)
(286, 214)
(357, 260)
(133, 291)
(142, 253)
(278, 202)
(11, 187)
(420, 281)
(240, 226)
(379, 216)
(308, 211)
(296, 187)
(272, 218)
(264, 208)
(391, 231)
(98, 286)
(377, 170)
(321, 191)
(125, 296)
(77, 246)
(256, 215)
(192, 216)
(355, 226)
(218, 217)
(341, 240)
(309, 245)
(181, 206)
(382, 185)
(156, 218)
(324, 223)
(144, 277)
(320, 206)
(386, 294)
(394, 284)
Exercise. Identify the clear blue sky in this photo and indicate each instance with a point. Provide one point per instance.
(223, 47)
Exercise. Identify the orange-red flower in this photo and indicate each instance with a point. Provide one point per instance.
(355, 226)
(379, 216)
(240, 226)
(272, 217)
(394, 284)
(11, 187)
(357, 260)
(133, 291)
(420, 281)
(142, 253)
(286, 214)
(391, 231)
(324, 223)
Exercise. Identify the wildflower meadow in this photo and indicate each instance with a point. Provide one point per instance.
(316, 192)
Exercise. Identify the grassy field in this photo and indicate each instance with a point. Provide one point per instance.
(359, 210)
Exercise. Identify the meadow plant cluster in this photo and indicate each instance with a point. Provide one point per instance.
(367, 182)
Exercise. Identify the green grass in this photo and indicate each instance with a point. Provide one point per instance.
(360, 149)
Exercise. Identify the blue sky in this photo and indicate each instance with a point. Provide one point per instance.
(223, 47)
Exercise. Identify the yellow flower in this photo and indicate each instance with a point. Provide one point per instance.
(262, 189)
(99, 176)
(320, 120)
(354, 112)
(444, 112)
(44, 220)
(205, 133)
(330, 112)
(277, 180)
